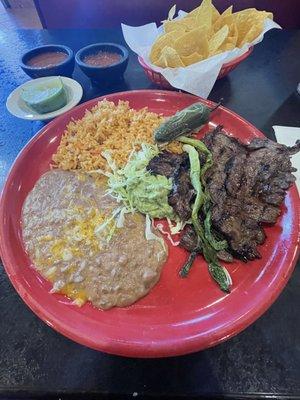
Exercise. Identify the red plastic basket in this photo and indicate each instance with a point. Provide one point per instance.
(158, 79)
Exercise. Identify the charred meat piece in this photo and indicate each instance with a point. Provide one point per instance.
(259, 143)
(182, 192)
(225, 256)
(166, 163)
(175, 166)
(273, 173)
(247, 184)
(189, 241)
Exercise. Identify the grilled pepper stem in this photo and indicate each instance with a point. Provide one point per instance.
(184, 122)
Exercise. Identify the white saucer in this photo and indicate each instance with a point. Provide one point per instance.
(18, 107)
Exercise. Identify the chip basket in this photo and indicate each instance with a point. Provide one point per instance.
(158, 79)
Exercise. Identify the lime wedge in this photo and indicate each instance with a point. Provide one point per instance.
(45, 97)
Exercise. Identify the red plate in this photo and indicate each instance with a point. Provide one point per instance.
(179, 315)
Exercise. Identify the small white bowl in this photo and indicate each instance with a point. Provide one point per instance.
(17, 107)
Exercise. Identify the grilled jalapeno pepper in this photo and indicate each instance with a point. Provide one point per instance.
(184, 122)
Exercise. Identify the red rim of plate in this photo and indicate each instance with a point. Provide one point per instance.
(163, 348)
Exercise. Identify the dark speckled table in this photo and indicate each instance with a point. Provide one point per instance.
(261, 362)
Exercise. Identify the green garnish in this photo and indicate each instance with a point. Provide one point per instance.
(183, 273)
(218, 273)
(200, 146)
(217, 245)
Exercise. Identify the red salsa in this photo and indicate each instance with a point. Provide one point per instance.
(48, 59)
(102, 59)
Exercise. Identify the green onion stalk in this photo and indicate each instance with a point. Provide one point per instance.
(207, 242)
(200, 146)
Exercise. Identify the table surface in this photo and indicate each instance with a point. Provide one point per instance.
(262, 360)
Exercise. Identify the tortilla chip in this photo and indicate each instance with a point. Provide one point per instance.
(232, 35)
(161, 61)
(164, 40)
(193, 41)
(171, 57)
(227, 46)
(222, 21)
(218, 39)
(243, 24)
(253, 33)
(245, 12)
(216, 52)
(205, 13)
(170, 26)
(188, 23)
(267, 14)
(228, 11)
(192, 58)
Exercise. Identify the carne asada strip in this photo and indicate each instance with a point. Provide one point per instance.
(247, 185)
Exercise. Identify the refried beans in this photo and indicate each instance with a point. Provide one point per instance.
(70, 234)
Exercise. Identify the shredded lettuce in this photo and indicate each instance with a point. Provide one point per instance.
(136, 187)
(138, 190)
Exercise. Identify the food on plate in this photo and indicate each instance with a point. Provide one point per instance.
(203, 33)
(238, 187)
(47, 59)
(74, 241)
(107, 126)
(102, 59)
(123, 177)
(45, 97)
(207, 242)
(246, 185)
(184, 122)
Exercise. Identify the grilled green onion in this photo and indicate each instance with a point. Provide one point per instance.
(183, 273)
(218, 273)
(217, 245)
(200, 146)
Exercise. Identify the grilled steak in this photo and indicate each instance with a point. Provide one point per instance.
(247, 184)
(175, 166)
(166, 163)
